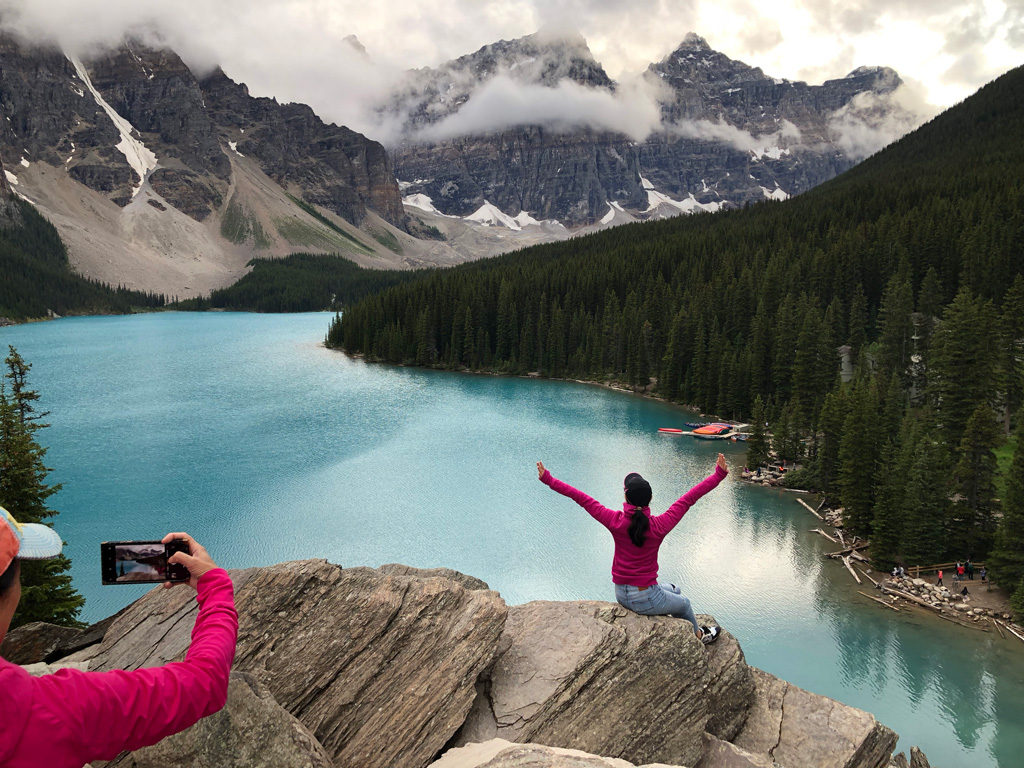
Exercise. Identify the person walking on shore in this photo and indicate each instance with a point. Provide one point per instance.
(939, 582)
(638, 535)
(969, 567)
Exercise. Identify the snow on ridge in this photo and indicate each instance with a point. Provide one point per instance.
(776, 194)
(524, 220)
(11, 178)
(775, 153)
(234, 148)
(424, 203)
(687, 205)
(25, 162)
(139, 157)
(490, 215)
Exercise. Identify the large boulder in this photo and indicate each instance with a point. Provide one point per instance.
(498, 753)
(34, 642)
(380, 667)
(799, 729)
(595, 677)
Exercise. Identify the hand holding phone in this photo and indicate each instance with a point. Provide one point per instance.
(193, 557)
(175, 559)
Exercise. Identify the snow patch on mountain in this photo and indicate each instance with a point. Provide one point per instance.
(776, 194)
(139, 157)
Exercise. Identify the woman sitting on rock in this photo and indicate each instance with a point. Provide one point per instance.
(637, 535)
(71, 717)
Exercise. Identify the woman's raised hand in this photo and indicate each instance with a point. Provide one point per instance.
(540, 470)
(721, 463)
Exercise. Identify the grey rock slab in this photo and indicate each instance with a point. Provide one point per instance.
(31, 643)
(380, 667)
(722, 754)
(498, 753)
(398, 569)
(918, 759)
(799, 729)
(595, 677)
(252, 731)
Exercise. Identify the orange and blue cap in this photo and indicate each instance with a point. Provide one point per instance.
(26, 541)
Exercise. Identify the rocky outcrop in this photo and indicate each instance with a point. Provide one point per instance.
(498, 753)
(380, 668)
(795, 728)
(252, 731)
(35, 641)
(596, 677)
(393, 666)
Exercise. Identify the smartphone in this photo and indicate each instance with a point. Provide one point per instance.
(141, 562)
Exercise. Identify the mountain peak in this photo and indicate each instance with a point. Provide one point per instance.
(693, 42)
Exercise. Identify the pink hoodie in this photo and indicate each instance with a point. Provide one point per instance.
(631, 564)
(70, 718)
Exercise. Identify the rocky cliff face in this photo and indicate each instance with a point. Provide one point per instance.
(397, 666)
(728, 135)
(160, 181)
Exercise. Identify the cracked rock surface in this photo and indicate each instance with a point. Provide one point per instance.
(595, 677)
(380, 668)
(799, 728)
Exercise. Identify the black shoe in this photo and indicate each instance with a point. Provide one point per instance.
(709, 634)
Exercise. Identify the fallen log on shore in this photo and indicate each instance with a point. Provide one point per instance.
(999, 629)
(1013, 632)
(937, 611)
(848, 550)
(868, 577)
(846, 562)
(878, 599)
(830, 538)
(811, 509)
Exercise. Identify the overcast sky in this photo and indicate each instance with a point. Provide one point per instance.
(294, 49)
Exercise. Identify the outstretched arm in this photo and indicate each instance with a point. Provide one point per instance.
(90, 715)
(666, 522)
(598, 511)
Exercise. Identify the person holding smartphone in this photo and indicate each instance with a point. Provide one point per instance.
(71, 717)
(638, 535)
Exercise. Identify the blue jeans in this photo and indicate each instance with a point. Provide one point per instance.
(656, 600)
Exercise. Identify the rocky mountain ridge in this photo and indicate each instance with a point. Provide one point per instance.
(399, 666)
(161, 180)
(728, 135)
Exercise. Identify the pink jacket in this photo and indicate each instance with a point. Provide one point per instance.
(72, 717)
(631, 564)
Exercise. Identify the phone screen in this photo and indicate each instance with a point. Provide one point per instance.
(140, 562)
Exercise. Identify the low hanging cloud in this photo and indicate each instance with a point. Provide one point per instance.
(721, 131)
(871, 121)
(504, 102)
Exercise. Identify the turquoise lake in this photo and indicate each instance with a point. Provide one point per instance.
(245, 431)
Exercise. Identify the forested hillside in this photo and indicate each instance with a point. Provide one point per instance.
(913, 259)
(302, 282)
(35, 275)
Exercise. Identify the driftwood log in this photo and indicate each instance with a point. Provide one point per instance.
(878, 600)
(811, 509)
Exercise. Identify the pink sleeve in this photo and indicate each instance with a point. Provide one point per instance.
(665, 522)
(598, 511)
(99, 714)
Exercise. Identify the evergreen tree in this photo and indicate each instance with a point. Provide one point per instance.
(757, 445)
(926, 495)
(858, 459)
(974, 488)
(1006, 562)
(887, 519)
(47, 594)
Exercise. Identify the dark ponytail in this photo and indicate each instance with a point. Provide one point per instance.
(638, 527)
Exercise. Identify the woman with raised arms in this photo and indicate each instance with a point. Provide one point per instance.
(638, 535)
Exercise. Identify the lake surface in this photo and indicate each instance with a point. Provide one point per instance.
(243, 430)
